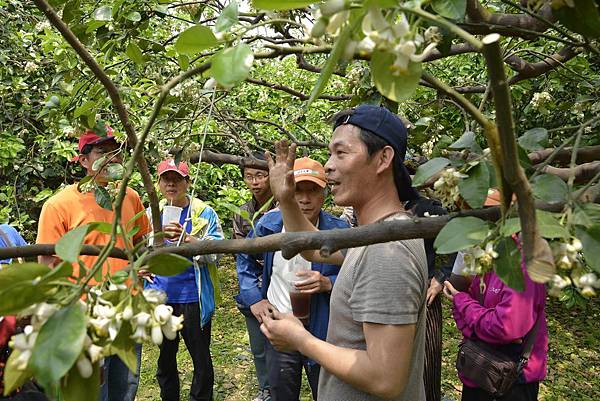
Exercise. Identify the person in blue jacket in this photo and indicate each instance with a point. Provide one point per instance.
(195, 292)
(285, 368)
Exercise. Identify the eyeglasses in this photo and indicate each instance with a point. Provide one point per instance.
(258, 177)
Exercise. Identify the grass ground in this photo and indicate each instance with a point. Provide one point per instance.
(574, 354)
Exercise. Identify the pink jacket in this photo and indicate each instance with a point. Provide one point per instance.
(505, 317)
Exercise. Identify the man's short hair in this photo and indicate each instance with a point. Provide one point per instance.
(255, 155)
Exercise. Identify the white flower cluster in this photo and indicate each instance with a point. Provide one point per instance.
(446, 187)
(540, 98)
(160, 321)
(153, 322)
(24, 342)
(395, 38)
(566, 254)
(572, 271)
(478, 261)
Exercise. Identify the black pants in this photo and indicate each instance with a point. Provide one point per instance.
(285, 374)
(432, 373)
(197, 342)
(519, 392)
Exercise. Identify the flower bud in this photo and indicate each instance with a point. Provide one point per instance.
(349, 50)
(127, 313)
(210, 84)
(319, 27)
(157, 335)
(588, 292)
(84, 366)
(333, 6)
(162, 313)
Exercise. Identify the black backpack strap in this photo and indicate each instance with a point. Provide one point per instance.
(528, 347)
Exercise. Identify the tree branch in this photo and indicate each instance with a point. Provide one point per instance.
(293, 243)
(294, 92)
(581, 173)
(585, 154)
(538, 256)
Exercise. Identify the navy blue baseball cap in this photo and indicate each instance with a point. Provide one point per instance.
(387, 126)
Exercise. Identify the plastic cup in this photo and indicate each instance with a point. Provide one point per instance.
(300, 301)
(300, 304)
(171, 214)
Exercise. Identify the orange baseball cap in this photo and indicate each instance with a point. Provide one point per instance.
(307, 169)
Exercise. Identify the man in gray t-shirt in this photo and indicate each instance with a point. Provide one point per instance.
(382, 284)
(376, 338)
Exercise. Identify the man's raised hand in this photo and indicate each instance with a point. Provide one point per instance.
(281, 171)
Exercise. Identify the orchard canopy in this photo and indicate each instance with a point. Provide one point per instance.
(496, 94)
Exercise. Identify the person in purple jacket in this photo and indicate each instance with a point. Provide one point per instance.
(503, 320)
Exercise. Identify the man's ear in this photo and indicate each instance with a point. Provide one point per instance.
(84, 161)
(385, 158)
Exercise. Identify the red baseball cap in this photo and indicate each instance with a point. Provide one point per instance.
(90, 137)
(306, 169)
(169, 165)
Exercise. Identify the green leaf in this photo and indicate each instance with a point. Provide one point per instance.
(134, 16)
(549, 188)
(84, 108)
(76, 388)
(590, 238)
(236, 210)
(58, 344)
(65, 269)
(119, 277)
(21, 295)
(102, 227)
(452, 9)
(508, 264)
(427, 170)
(16, 273)
(228, 18)
(583, 18)
(195, 39)
(100, 128)
(93, 25)
(53, 102)
(461, 233)
(114, 171)
(98, 163)
(548, 225)
(232, 65)
(103, 13)
(168, 264)
(281, 4)
(134, 53)
(68, 247)
(474, 188)
(395, 85)
(13, 377)
(524, 160)
(587, 214)
(103, 198)
(124, 347)
(534, 139)
(184, 62)
(465, 141)
(71, 11)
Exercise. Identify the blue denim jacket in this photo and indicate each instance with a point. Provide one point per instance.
(249, 271)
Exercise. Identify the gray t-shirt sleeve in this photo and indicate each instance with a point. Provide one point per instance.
(388, 285)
